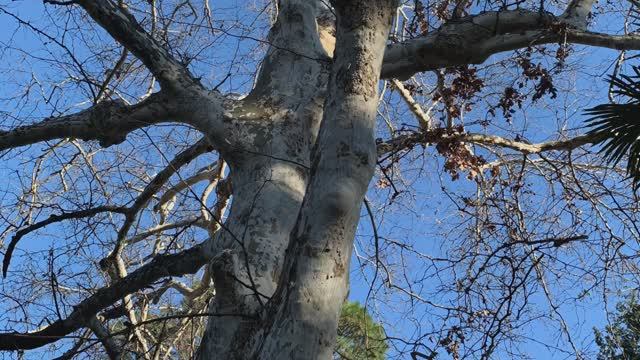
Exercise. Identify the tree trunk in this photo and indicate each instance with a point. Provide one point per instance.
(281, 195)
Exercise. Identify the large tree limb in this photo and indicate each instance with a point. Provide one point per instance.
(315, 281)
(118, 22)
(108, 122)
(114, 350)
(471, 40)
(294, 43)
(185, 262)
(577, 13)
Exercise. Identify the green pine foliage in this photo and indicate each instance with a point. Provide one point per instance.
(621, 339)
(359, 336)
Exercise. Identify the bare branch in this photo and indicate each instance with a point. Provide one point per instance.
(194, 220)
(108, 122)
(208, 173)
(616, 42)
(61, 3)
(185, 262)
(473, 39)
(423, 118)
(77, 347)
(50, 220)
(128, 32)
(180, 160)
(526, 148)
(408, 141)
(110, 345)
(200, 147)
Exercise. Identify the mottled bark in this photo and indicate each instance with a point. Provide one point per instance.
(300, 320)
(273, 131)
(303, 323)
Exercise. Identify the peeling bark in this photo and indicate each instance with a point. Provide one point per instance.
(300, 320)
(303, 323)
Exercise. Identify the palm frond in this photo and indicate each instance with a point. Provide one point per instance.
(617, 126)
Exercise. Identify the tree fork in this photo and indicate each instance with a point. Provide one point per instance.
(301, 318)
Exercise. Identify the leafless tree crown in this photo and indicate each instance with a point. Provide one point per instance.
(184, 178)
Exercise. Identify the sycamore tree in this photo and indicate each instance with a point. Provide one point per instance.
(185, 178)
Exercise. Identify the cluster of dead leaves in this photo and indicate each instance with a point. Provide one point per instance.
(458, 156)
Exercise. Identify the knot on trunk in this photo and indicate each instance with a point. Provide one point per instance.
(102, 122)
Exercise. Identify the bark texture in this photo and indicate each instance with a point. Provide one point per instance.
(299, 321)
(304, 321)
(274, 128)
(271, 179)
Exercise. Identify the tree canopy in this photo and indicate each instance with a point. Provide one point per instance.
(215, 178)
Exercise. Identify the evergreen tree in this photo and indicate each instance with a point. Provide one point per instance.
(621, 339)
(359, 336)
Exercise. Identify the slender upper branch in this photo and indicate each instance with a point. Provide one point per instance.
(193, 220)
(108, 122)
(126, 30)
(408, 141)
(183, 158)
(208, 173)
(50, 220)
(423, 118)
